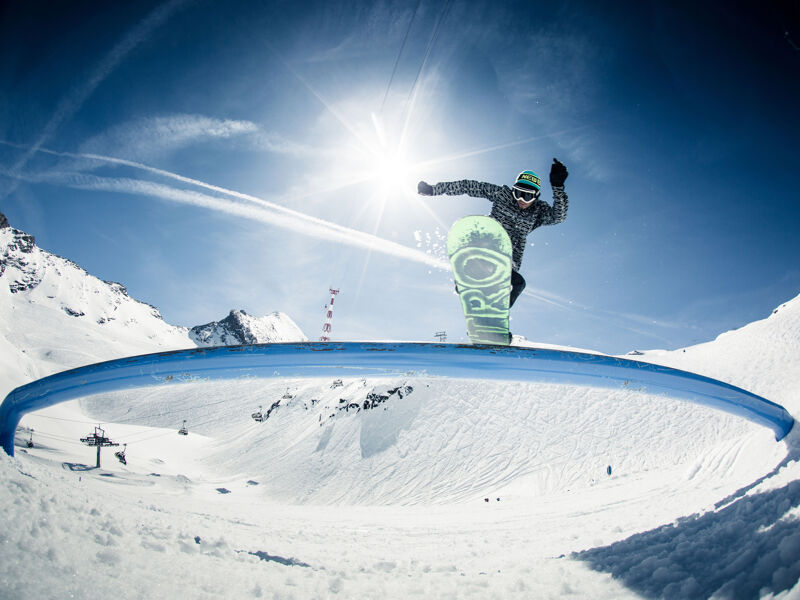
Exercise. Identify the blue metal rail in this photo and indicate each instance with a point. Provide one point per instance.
(364, 359)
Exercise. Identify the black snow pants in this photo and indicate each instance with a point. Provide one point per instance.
(517, 285)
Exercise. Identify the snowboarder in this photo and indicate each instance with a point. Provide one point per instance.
(518, 209)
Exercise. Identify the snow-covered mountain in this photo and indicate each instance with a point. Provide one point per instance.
(240, 328)
(55, 316)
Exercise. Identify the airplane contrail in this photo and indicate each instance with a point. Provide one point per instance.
(284, 218)
(72, 102)
(253, 208)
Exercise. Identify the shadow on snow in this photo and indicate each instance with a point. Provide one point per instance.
(749, 546)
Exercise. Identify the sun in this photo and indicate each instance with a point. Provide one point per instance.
(389, 170)
(378, 160)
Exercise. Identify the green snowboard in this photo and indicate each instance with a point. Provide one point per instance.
(480, 253)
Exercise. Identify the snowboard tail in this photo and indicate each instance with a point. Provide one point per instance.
(480, 254)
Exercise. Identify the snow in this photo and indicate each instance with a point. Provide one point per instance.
(452, 489)
(761, 357)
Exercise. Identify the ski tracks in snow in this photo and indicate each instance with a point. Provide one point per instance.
(446, 441)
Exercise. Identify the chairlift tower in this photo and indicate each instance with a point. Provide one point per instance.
(99, 440)
(326, 329)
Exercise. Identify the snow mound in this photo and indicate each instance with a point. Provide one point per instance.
(762, 357)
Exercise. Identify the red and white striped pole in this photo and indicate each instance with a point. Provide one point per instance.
(326, 329)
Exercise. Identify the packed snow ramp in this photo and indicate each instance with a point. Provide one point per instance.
(365, 359)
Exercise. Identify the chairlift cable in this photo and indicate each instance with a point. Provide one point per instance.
(413, 92)
(169, 432)
(399, 54)
(64, 419)
(58, 438)
(428, 50)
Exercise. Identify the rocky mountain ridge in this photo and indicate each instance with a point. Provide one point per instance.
(48, 302)
(240, 328)
(26, 267)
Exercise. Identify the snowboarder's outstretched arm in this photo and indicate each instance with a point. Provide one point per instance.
(476, 189)
(553, 215)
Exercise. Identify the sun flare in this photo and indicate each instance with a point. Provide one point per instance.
(390, 170)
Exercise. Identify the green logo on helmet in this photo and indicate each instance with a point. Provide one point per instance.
(528, 179)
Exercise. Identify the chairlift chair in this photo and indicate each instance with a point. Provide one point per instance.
(258, 416)
(29, 443)
(183, 430)
(120, 454)
(287, 395)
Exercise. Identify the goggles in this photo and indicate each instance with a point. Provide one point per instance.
(525, 196)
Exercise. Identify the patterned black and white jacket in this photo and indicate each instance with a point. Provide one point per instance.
(516, 221)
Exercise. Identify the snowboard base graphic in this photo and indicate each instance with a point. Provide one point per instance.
(480, 253)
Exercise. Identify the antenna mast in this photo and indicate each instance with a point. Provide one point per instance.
(326, 329)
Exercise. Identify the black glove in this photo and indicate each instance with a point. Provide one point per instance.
(424, 189)
(558, 173)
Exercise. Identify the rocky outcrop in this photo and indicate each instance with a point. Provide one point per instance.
(239, 328)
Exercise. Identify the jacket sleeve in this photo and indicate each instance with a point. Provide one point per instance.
(553, 215)
(476, 189)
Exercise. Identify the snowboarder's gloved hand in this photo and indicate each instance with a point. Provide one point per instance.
(424, 189)
(558, 173)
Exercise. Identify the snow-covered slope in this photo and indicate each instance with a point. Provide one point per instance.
(762, 357)
(54, 315)
(240, 328)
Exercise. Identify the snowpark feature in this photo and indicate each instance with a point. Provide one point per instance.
(381, 359)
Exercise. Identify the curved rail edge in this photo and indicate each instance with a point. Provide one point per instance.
(317, 359)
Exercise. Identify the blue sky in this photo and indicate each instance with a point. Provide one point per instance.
(252, 155)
